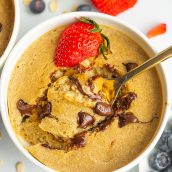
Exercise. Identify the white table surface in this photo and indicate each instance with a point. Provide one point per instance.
(143, 16)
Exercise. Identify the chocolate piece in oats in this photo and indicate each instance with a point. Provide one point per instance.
(85, 119)
(44, 110)
(24, 118)
(112, 69)
(103, 109)
(124, 102)
(105, 123)
(130, 66)
(78, 141)
(0, 27)
(76, 82)
(24, 108)
(127, 118)
(91, 85)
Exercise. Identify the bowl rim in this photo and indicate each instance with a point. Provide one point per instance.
(14, 34)
(3, 101)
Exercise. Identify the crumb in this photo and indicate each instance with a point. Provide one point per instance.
(0, 135)
(53, 6)
(26, 2)
(74, 7)
(19, 167)
(1, 162)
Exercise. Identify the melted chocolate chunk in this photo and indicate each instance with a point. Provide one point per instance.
(24, 108)
(45, 145)
(24, 118)
(112, 70)
(103, 109)
(95, 77)
(85, 119)
(130, 66)
(91, 85)
(44, 109)
(80, 89)
(1, 27)
(127, 118)
(102, 125)
(124, 102)
(78, 141)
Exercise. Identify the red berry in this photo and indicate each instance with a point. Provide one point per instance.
(76, 44)
(113, 7)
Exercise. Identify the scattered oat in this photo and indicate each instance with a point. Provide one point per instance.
(26, 2)
(53, 6)
(66, 11)
(74, 8)
(1, 162)
(19, 167)
(0, 135)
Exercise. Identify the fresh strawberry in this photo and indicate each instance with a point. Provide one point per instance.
(157, 30)
(81, 40)
(113, 7)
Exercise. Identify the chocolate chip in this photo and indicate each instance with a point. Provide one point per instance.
(130, 66)
(124, 102)
(0, 27)
(101, 126)
(44, 110)
(78, 141)
(103, 109)
(24, 108)
(76, 82)
(127, 118)
(85, 119)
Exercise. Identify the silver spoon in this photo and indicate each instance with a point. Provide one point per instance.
(120, 81)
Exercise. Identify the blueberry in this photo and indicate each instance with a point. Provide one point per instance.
(84, 7)
(159, 160)
(168, 169)
(169, 142)
(163, 142)
(37, 6)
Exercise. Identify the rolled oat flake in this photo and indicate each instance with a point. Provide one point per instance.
(53, 6)
(1, 162)
(19, 167)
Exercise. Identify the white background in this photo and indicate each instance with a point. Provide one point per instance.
(143, 16)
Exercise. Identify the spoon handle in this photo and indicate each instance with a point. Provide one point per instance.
(167, 53)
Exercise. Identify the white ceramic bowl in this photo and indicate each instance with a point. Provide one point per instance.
(14, 33)
(63, 20)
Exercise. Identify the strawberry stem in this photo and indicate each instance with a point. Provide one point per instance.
(104, 48)
(92, 22)
(105, 38)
